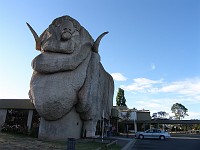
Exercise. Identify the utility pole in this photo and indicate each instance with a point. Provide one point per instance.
(102, 128)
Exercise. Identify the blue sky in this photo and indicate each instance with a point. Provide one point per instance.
(152, 49)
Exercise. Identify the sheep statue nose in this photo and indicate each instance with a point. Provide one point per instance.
(66, 36)
(67, 30)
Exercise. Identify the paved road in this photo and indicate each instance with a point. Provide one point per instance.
(183, 142)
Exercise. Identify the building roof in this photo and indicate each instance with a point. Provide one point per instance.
(125, 109)
(166, 121)
(16, 104)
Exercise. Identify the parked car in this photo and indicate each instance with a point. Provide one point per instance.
(153, 133)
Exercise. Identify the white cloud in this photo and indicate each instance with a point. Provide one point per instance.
(141, 85)
(193, 115)
(163, 104)
(159, 95)
(145, 81)
(159, 104)
(118, 77)
(156, 105)
(149, 105)
(153, 66)
(189, 87)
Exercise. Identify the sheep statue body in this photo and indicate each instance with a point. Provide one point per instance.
(69, 87)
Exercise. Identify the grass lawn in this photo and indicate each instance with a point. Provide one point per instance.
(94, 145)
(13, 141)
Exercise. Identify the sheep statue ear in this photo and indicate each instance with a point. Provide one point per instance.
(95, 47)
(37, 39)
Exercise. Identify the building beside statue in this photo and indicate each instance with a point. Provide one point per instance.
(125, 119)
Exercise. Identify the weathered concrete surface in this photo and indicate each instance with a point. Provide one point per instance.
(70, 126)
(68, 77)
(55, 94)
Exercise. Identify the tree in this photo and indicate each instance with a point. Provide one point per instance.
(154, 115)
(120, 99)
(179, 110)
(160, 115)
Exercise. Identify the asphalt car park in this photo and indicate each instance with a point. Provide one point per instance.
(176, 142)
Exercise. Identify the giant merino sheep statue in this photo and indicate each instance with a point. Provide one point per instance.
(69, 87)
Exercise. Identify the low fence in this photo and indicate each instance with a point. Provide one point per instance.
(109, 141)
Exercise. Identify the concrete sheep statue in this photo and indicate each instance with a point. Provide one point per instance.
(69, 87)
